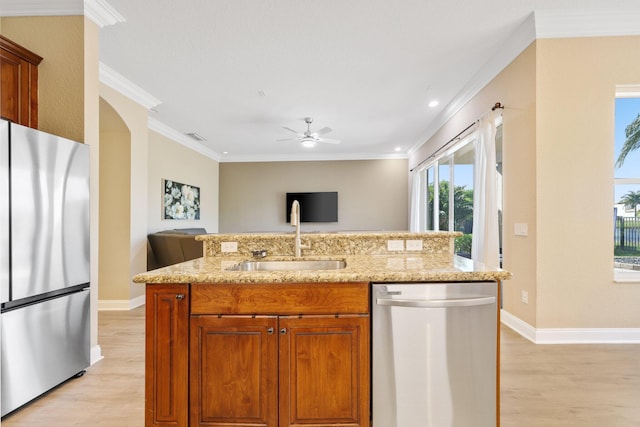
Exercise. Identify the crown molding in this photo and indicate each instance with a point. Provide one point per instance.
(99, 11)
(102, 13)
(41, 7)
(116, 81)
(311, 157)
(586, 24)
(159, 127)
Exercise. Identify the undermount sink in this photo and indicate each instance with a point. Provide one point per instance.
(290, 265)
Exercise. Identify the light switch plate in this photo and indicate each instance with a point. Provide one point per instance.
(229, 246)
(414, 245)
(395, 245)
(521, 229)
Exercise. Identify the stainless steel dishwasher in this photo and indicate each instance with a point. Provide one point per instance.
(434, 354)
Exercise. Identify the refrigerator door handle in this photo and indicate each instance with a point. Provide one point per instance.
(437, 303)
(4, 213)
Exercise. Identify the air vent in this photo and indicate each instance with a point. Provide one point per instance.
(196, 136)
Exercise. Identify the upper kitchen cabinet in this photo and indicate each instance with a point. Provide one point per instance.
(19, 83)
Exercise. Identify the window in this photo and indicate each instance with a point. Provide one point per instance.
(626, 208)
(444, 176)
(431, 196)
(448, 206)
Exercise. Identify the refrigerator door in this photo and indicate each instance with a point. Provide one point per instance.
(4, 211)
(43, 345)
(434, 354)
(49, 212)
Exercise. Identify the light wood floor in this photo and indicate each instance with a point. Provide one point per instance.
(111, 392)
(542, 385)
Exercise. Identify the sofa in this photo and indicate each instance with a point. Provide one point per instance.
(173, 246)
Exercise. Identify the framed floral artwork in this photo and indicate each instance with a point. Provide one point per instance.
(180, 201)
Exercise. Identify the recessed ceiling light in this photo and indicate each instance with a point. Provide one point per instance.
(433, 103)
(398, 148)
(225, 152)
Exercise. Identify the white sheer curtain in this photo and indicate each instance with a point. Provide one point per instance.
(417, 214)
(484, 247)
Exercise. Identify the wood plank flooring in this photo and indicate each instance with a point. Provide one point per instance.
(542, 385)
(568, 385)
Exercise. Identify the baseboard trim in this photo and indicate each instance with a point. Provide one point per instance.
(121, 304)
(518, 325)
(96, 354)
(571, 335)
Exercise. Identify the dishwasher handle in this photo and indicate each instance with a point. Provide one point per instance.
(437, 303)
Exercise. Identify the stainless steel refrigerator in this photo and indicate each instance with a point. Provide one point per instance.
(44, 262)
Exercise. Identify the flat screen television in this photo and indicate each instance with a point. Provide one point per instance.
(315, 207)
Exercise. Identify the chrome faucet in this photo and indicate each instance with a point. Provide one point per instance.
(295, 222)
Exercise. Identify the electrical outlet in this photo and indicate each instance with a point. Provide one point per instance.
(229, 246)
(414, 245)
(395, 245)
(525, 297)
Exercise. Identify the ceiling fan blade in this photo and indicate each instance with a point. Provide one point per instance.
(323, 131)
(329, 141)
(294, 131)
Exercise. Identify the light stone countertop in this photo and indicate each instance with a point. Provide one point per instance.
(367, 254)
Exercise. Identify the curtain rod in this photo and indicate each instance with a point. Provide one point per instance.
(496, 106)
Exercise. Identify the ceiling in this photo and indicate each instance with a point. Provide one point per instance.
(237, 71)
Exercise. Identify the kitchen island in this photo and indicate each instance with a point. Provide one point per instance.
(228, 347)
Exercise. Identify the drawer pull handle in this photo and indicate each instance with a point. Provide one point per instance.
(283, 331)
(270, 331)
(180, 297)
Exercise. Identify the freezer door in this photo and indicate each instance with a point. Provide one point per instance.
(434, 355)
(4, 211)
(43, 345)
(49, 212)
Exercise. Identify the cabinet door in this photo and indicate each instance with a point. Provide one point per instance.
(324, 371)
(19, 83)
(234, 369)
(167, 355)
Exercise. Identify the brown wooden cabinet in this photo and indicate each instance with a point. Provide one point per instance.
(167, 355)
(260, 355)
(234, 368)
(324, 371)
(280, 355)
(19, 83)
(279, 371)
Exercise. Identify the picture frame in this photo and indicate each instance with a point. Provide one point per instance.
(180, 201)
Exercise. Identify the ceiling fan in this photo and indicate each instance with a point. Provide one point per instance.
(310, 139)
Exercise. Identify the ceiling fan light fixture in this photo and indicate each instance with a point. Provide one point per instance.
(308, 142)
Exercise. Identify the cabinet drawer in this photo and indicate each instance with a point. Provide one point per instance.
(280, 298)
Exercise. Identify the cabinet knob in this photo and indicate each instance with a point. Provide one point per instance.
(283, 331)
(180, 297)
(269, 331)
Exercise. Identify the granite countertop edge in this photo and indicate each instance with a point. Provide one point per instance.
(360, 268)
